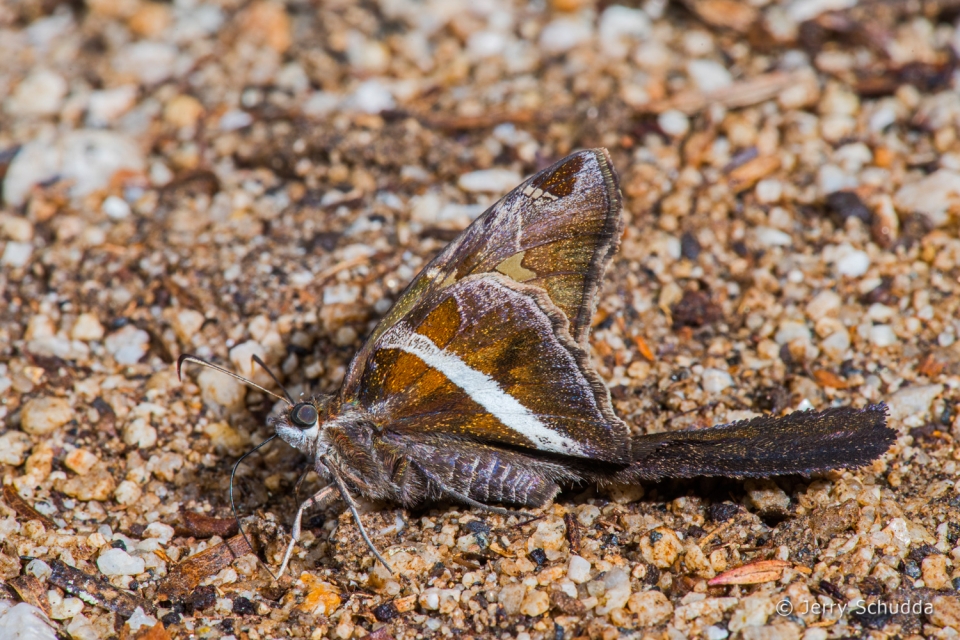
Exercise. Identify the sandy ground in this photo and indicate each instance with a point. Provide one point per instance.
(237, 178)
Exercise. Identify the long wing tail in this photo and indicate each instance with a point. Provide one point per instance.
(802, 442)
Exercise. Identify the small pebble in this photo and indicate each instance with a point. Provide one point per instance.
(535, 603)
(660, 547)
(127, 345)
(931, 195)
(836, 345)
(853, 265)
(709, 75)
(371, 96)
(41, 416)
(14, 446)
(790, 330)
(16, 254)
(127, 493)
(673, 123)
(620, 27)
(87, 328)
(40, 94)
(882, 335)
(97, 485)
(489, 181)
(216, 388)
(715, 380)
(117, 562)
(564, 33)
(770, 237)
(140, 433)
(80, 461)
(115, 208)
(511, 597)
(186, 324)
(651, 608)
(824, 304)
(913, 400)
(946, 612)
(578, 569)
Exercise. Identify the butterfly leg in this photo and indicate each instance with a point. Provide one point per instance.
(318, 499)
(345, 494)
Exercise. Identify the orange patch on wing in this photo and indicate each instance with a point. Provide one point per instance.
(397, 370)
(562, 181)
(442, 324)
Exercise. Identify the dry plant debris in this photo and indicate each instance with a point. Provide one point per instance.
(262, 177)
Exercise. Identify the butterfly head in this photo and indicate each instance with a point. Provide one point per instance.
(299, 425)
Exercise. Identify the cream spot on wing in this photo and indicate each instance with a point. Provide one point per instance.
(485, 391)
(512, 268)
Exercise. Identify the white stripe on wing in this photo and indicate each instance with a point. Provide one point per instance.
(485, 391)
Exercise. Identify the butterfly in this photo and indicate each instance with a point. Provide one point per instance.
(477, 386)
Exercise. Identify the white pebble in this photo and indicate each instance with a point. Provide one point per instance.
(39, 569)
(836, 345)
(87, 158)
(715, 380)
(217, 388)
(117, 562)
(831, 178)
(563, 34)
(485, 44)
(620, 27)
(932, 195)
(162, 532)
(673, 123)
(372, 96)
(242, 357)
(149, 61)
(40, 94)
(882, 335)
(716, 633)
(44, 415)
(769, 191)
(709, 75)
(770, 237)
(489, 181)
(80, 628)
(16, 254)
(14, 446)
(127, 345)
(127, 492)
(141, 619)
(87, 327)
(913, 400)
(186, 323)
(790, 330)
(853, 265)
(115, 208)
(235, 119)
(104, 107)
(823, 304)
(880, 312)
(24, 622)
(139, 433)
(578, 569)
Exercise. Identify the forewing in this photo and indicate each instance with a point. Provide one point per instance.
(557, 231)
(489, 360)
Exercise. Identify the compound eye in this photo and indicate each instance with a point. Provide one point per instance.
(304, 415)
